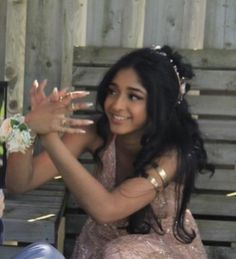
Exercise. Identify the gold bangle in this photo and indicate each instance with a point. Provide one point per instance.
(163, 175)
(154, 182)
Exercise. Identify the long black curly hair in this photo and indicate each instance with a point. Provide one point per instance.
(170, 126)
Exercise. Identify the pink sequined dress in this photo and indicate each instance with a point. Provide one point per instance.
(111, 241)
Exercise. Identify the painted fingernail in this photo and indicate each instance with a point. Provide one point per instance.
(55, 90)
(89, 122)
(81, 131)
(82, 92)
(89, 104)
(36, 83)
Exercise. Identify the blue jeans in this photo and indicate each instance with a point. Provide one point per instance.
(39, 250)
(1, 231)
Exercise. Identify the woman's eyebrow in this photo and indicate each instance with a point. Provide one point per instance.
(137, 89)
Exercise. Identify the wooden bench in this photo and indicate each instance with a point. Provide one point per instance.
(213, 103)
(33, 216)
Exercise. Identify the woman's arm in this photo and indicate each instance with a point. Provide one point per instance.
(102, 205)
(25, 172)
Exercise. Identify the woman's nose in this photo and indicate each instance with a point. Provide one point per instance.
(118, 103)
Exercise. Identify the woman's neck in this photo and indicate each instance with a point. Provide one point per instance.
(127, 144)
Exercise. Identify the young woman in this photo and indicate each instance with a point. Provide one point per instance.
(148, 150)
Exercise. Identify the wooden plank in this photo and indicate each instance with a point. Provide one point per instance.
(115, 23)
(220, 24)
(49, 44)
(133, 23)
(163, 22)
(212, 105)
(212, 204)
(224, 180)
(204, 80)
(25, 213)
(222, 80)
(23, 231)
(215, 24)
(207, 58)
(230, 30)
(94, 29)
(220, 252)
(67, 34)
(3, 11)
(32, 199)
(15, 54)
(216, 230)
(219, 153)
(218, 129)
(88, 76)
(38, 192)
(167, 22)
(194, 28)
(80, 22)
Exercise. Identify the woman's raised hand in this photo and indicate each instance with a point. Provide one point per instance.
(50, 113)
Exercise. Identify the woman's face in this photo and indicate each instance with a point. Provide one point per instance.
(126, 103)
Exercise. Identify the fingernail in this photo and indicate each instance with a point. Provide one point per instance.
(55, 90)
(82, 131)
(89, 104)
(82, 92)
(36, 83)
(89, 122)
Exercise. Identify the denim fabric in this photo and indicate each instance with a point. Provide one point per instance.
(1, 231)
(39, 250)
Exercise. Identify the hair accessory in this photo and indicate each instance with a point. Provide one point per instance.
(16, 134)
(181, 80)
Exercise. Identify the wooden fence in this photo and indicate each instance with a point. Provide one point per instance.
(38, 36)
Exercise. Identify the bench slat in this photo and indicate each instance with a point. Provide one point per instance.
(212, 204)
(221, 153)
(218, 129)
(224, 180)
(23, 231)
(212, 105)
(216, 230)
(222, 80)
(206, 58)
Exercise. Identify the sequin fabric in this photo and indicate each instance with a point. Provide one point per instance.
(111, 241)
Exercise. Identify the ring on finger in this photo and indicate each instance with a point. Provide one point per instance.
(60, 99)
(72, 106)
(63, 122)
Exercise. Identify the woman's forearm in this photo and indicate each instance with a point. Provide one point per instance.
(90, 194)
(19, 170)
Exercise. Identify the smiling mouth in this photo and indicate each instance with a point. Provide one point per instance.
(119, 117)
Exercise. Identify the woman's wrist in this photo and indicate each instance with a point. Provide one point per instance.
(46, 138)
(16, 134)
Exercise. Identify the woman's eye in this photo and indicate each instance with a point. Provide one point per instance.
(133, 97)
(111, 91)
